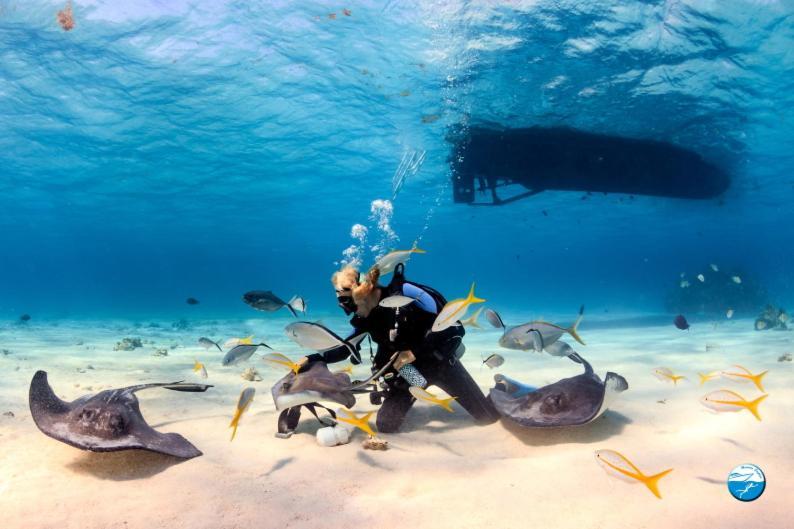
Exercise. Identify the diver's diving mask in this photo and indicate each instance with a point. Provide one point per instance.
(346, 302)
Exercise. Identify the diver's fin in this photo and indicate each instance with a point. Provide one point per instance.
(652, 482)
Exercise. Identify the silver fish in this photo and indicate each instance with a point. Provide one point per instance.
(535, 335)
(559, 348)
(319, 338)
(206, 343)
(395, 302)
(240, 353)
(494, 360)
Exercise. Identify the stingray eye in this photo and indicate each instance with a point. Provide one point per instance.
(555, 401)
(87, 415)
(116, 423)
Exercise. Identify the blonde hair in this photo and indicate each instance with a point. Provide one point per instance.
(361, 288)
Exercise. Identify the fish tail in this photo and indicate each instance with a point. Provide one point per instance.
(417, 250)
(446, 403)
(472, 298)
(703, 378)
(652, 482)
(235, 422)
(676, 378)
(573, 329)
(757, 380)
(753, 406)
(295, 314)
(473, 320)
(218, 346)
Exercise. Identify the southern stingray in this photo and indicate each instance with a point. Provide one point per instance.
(108, 421)
(569, 402)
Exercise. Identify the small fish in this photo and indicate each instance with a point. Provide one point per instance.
(361, 423)
(267, 301)
(430, 118)
(348, 370)
(494, 360)
(701, 278)
(559, 348)
(471, 321)
(298, 303)
(737, 280)
(246, 397)
(206, 343)
(617, 465)
(714, 267)
(708, 376)
(729, 313)
(388, 262)
(24, 318)
(316, 337)
(535, 335)
(666, 375)
(745, 375)
(347, 12)
(282, 360)
(726, 400)
(785, 357)
(680, 322)
(684, 283)
(454, 311)
(395, 302)
(494, 319)
(199, 368)
(663, 401)
(234, 342)
(241, 352)
(783, 317)
(192, 301)
(421, 394)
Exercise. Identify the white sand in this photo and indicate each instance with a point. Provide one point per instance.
(441, 471)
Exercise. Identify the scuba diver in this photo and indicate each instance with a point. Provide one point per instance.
(404, 339)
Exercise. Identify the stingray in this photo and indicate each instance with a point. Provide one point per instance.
(313, 384)
(109, 421)
(568, 402)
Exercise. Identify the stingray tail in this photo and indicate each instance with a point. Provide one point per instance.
(652, 482)
(573, 329)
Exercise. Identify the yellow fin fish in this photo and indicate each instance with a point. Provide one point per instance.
(708, 376)
(471, 321)
(280, 359)
(455, 310)
(745, 375)
(389, 262)
(617, 465)
(666, 375)
(199, 368)
(426, 396)
(246, 397)
(248, 340)
(234, 342)
(361, 423)
(726, 400)
(348, 370)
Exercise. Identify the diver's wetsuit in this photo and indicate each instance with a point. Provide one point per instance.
(434, 352)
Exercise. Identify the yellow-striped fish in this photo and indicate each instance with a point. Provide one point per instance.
(666, 375)
(742, 374)
(455, 310)
(426, 396)
(246, 397)
(708, 376)
(727, 400)
(348, 370)
(280, 359)
(361, 423)
(234, 342)
(199, 368)
(618, 465)
(471, 321)
(389, 262)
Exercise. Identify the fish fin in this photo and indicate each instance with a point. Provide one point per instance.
(218, 346)
(757, 380)
(295, 314)
(753, 406)
(417, 250)
(447, 403)
(652, 482)
(703, 378)
(355, 340)
(471, 298)
(235, 421)
(573, 329)
(263, 344)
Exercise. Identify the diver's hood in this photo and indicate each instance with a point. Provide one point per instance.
(316, 383)
(569, 402)
(109, 421)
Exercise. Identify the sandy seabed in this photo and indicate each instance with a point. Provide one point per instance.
(441, 470)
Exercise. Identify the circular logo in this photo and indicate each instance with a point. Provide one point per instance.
(746, 482)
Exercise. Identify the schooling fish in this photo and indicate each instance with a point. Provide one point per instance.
(192, 301)
(246, 397)
(618, 465)
(282, 360)
(395, 302)
(666, 375)
(199, 368)
(726, 400)
(266, 301)
(737, 280)
(389, 262)
(708, 376)
(241, 352)
(471, 321)
(536, 335)
(234, 342)
(745, 375)
(701, 278)
(361, 423)
(494, 360)
(454, 311)
(680, 322)
(421, 394)
(714, 267)
(206, 343)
